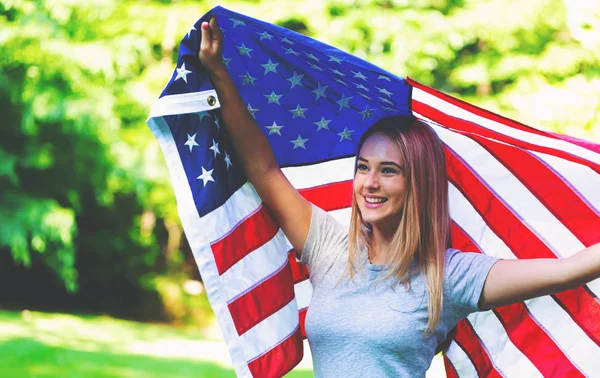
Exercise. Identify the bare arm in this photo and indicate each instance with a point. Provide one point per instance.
(290, 209)
(511, 281)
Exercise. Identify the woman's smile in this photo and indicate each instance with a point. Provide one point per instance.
(374, 202)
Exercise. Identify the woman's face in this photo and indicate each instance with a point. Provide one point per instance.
(380, 183)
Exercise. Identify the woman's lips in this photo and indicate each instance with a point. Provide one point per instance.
(373, 205)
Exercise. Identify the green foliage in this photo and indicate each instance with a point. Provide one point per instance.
(71, 143)
(84, 190)
(35, 344)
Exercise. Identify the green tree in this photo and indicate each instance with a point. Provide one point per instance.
(84, 190)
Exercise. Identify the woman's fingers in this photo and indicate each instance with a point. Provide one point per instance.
(205, 42)
(211, 45)
(216, 30)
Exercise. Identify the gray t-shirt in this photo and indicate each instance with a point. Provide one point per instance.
(360, 329)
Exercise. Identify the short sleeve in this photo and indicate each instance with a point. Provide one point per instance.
(325, 235)
(465, 276)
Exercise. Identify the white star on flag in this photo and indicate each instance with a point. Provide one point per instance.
(270, 67)
(251, 110)
(264, 35)
(274, 129)
(298, 112)
(228, 160)
(323, 124)
(385, 91)
(291, 51)
(345, 134)
(296, 80)
(237, 22)
(215, 148)
(299, 142)
(243, 50)
(273, 98)
(343, 102)
(320, 91)
(191, 142)
(359, 75)
(206, 176)
(182, 73)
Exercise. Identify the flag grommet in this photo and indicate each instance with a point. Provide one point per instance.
(211, 100)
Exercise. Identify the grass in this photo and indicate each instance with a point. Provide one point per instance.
(45, 345)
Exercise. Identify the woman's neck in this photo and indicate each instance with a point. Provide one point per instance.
(379, 243)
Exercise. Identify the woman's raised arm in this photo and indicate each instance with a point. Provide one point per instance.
(290, 209)
(511, 281)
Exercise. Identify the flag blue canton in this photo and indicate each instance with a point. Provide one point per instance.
(312, 101)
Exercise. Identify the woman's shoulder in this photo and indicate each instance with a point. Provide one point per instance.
(464, 277)
(456, 259)
(465, 268)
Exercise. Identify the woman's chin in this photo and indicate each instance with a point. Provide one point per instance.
(372, 219)
(380, 220)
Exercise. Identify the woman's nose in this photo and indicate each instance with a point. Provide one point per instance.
(372, 180)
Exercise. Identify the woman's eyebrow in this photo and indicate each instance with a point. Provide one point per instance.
(391, 163)
(382, 163)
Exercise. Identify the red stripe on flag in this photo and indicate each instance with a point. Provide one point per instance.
(534, 343)
(302, 321)
(334, 196)
(584, 308)
(469, 128)
(280, 360)
(580, 142)
(299, 271)
(449, 368)
(460, 240)
(468, 340)
(262, 300)
(579, 304)
(252, 233)
(549, 189)
(501, 119)
(477, 110)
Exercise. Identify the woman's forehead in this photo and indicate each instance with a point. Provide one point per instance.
(381, 147)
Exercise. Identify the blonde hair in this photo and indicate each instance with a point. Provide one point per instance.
(423, 233)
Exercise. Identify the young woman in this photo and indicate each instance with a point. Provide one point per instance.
(386, 292)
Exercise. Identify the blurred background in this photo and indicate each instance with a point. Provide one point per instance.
(96, 277)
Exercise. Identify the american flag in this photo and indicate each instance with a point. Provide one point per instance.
(515, 192)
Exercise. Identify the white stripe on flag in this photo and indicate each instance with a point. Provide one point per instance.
(220, 222)
(571, 339)
(184, 103)
(465, 215)
(320, 174)
(270, 332)
(580, 177)
(508, 360)
(303, 292)
(461, 361)
(255, 267)
(455, 111)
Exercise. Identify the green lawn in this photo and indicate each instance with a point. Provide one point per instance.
(60, 345)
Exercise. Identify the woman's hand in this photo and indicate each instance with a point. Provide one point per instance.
(211, 47)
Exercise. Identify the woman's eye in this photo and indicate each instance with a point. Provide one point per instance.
(361, 167)
(388, 170)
